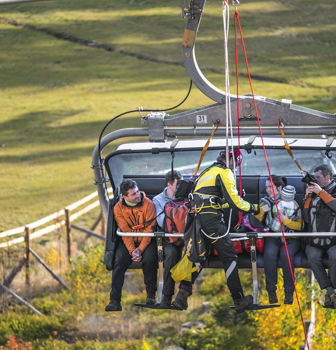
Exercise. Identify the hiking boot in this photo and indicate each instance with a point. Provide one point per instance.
(181, 300)
(150, 300)
(242, 304)
(166, 301)
(333, 300)
(330, 301)
(327, 301)
(113, 306)
(288, 298)
(272, 297)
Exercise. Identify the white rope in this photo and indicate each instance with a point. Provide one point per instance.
(226, 20)
(222, 236)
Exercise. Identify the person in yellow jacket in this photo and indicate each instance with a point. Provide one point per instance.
(214, 193)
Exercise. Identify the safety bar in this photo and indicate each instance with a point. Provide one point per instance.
(252, 236)
(232, 234)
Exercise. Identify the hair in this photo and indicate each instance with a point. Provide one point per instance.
(127, 185)
(324, 169)
(222, 157)
(171, 176)
(279, 181)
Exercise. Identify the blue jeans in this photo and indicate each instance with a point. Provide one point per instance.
(314, 256)
(275, 251)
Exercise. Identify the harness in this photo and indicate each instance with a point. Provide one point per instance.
(200, 201)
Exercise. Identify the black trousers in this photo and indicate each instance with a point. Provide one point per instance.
(212, 223)
(123, 260)
(171, 256)
(315, 257)
(275, 251)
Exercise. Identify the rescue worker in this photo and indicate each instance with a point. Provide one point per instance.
(134, 213)
(319, 212)
(171, 252)
(213, 194)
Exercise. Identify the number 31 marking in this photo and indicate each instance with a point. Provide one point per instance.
(201, 119)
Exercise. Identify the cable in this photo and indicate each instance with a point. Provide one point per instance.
(133, 111)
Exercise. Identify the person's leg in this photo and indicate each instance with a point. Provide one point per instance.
(122, 262)
(149, 264)
(214, 226)
(293, 246)
(227, 256)
(331, 253)
(185, 290)
(271, 252)
(171, 256)
(314, 256)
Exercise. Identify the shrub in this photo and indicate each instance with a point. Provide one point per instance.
(26, 327)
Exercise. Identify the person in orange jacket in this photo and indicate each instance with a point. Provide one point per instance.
(134, 213)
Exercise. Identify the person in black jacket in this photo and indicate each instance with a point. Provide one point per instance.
(319, 213)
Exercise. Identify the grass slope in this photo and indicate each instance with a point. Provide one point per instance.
(57, 92)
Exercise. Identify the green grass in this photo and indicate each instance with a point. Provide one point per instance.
(56, 95)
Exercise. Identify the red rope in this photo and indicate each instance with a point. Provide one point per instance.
(267, 163)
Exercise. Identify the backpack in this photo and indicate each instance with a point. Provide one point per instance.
(175, 218)
(194, 244)
(249, 224)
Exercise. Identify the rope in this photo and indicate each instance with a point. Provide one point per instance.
(281, 128)
(205, 148)
(268, 168)
(226, 20)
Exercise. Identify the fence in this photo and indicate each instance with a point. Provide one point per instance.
(36, 229)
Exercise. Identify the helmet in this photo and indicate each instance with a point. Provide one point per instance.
(236, 154)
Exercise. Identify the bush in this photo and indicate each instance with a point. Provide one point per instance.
(26, 327)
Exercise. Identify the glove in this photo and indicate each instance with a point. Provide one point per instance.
(254, 209)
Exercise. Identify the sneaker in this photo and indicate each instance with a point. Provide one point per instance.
(288, 298)
(150, 300)
(242, 304)
(333, 300)
(181, 300)
(113, 306)
(272, 297)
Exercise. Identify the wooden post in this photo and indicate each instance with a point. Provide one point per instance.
(58, 279)
(17, 268)
(21, 300)
(27, 241)
(103, 230)
(68, 231)
(95, 224)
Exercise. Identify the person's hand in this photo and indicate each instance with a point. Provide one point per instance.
(136, 255)
(313, 188)
(265, 208)
(283, 217)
